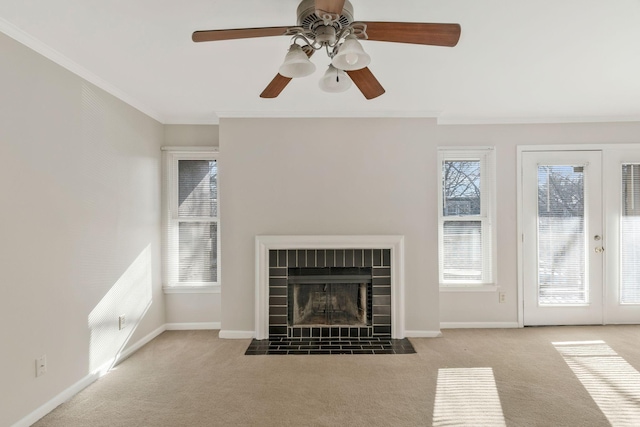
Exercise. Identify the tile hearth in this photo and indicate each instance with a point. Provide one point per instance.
(371, 345)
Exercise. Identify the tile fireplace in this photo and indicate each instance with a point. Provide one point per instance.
(329, 287)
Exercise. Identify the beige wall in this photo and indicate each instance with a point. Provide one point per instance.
(191, 135)
(371, 176)
(326, 176)
(79, 228)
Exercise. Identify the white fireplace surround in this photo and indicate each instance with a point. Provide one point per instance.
(265, 243)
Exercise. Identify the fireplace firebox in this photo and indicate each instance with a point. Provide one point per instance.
(329, 296)
(329, 304)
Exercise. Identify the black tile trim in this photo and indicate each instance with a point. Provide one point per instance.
(340, 332)
(312, 346)
(379, 292)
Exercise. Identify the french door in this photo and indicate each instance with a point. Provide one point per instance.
(574, 205)
(622, 257)
(562, 237)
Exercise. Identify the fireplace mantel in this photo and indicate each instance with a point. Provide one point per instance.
(265, 243)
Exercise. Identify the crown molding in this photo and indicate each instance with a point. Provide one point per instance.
(454, 120)
(381, 114)
(53, 55)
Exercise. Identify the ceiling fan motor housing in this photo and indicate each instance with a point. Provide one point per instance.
(309, 19)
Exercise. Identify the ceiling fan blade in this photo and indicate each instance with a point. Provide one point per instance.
(279, 82)
(366, 82)
(330, 6)
(238, 33)
(276, 86)
(414, 32)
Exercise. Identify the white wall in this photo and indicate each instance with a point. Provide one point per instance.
(192, 309)
(79, 228)
(371, 176)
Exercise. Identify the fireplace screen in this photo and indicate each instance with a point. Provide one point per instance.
(329, 296)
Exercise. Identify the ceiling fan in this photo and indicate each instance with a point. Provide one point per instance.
(329, 25)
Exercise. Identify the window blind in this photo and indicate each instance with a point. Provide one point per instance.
(630, 235)
(462, 241)
(198, 255)
(196, 221)
(197, 188)
(561, 235)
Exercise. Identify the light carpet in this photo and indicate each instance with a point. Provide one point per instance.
(193, 378)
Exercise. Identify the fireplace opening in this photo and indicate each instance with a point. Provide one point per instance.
(330, 304)
(330, 296)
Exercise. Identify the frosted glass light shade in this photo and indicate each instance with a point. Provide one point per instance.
(296, 63)
(351, 56)
(334, 80)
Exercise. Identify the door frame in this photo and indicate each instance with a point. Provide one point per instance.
(519, 202)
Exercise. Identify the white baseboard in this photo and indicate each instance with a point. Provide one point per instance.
(478, 325)
(236, 335)
(138, 345)
(422, 334)
(57, 401)
(194, 326)
(86, 381)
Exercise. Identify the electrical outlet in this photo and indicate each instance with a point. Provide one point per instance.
(41, 365)
(121, 322)
(502, 297)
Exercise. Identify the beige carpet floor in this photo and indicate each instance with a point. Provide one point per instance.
(193, 378)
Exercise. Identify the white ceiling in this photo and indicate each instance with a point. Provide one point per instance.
(517, 60)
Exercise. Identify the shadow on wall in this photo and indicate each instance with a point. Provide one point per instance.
(130, 297)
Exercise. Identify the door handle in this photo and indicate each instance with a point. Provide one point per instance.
(599, 249)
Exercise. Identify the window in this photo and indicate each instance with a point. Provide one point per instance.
(465, 217)
(192, 225)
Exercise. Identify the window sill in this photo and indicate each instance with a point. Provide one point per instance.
(469, 288)
(182, 289)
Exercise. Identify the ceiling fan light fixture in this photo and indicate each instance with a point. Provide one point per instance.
(334, 80)
(351, 56)
(296, 63)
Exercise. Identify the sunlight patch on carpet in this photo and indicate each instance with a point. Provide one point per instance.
(467, 397)
(610, 380)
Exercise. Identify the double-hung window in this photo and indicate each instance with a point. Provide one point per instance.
(466, 217)
(192, 226)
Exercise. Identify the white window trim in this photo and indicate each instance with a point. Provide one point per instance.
(487, 158)
(170, 220)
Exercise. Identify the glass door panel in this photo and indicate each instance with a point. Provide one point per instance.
(562, 270)
(630, 235)
(561, 235)
(622, 185)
